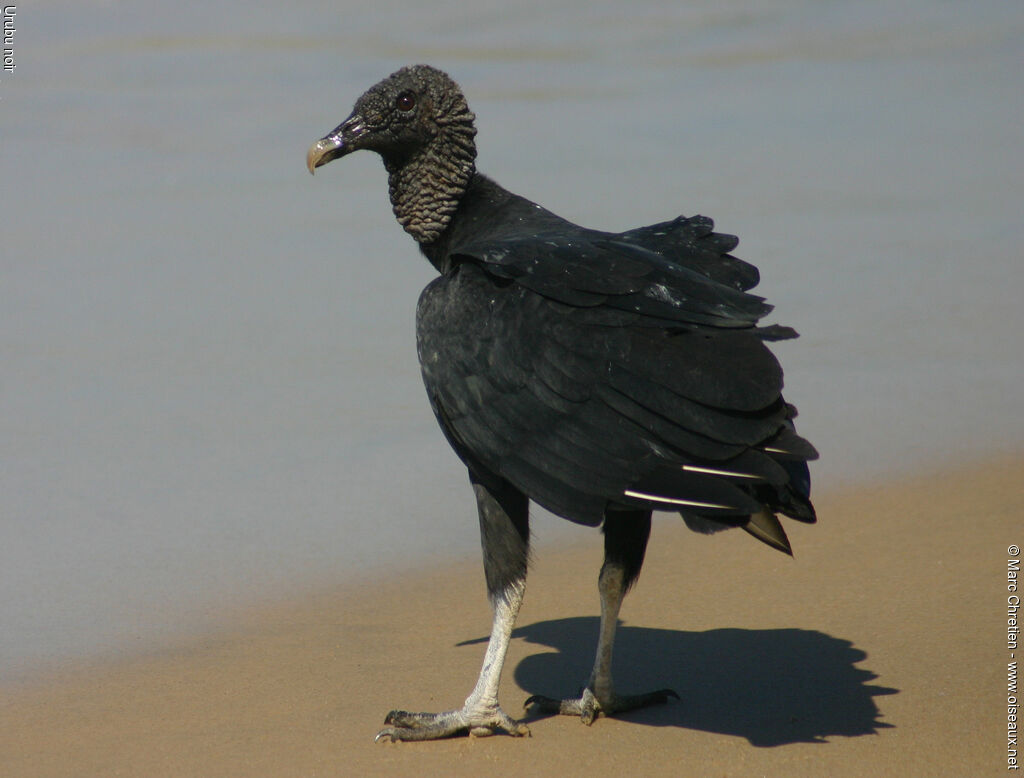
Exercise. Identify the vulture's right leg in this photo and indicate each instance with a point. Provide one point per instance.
(625, 542)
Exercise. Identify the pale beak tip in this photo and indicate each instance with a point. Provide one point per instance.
(323, 151)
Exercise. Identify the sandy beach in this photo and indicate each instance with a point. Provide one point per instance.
(879, 649)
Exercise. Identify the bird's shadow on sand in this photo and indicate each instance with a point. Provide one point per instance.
(772, 687)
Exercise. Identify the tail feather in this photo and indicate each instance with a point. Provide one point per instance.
(764, 526)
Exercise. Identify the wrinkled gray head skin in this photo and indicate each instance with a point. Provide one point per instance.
(418, 121)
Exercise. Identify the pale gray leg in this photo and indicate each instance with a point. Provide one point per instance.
(504, 532)
(626, 537)
(480, 715)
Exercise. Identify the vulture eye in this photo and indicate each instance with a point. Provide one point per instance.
(405, 102)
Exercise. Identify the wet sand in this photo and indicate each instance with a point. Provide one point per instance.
(879, 649)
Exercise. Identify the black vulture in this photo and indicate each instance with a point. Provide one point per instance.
(601, 375)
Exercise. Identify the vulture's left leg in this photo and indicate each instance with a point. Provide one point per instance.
(505, 537)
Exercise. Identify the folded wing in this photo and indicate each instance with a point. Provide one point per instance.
(597, 371)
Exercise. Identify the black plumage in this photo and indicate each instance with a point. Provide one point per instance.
(601, 375)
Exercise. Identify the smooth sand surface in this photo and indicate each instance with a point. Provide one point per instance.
(880, 649)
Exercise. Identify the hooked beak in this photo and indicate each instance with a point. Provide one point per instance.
(337, 143)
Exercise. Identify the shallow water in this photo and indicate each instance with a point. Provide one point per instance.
(210, 391)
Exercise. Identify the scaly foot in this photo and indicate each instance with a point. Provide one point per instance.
(433, 726)
(588, 707)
